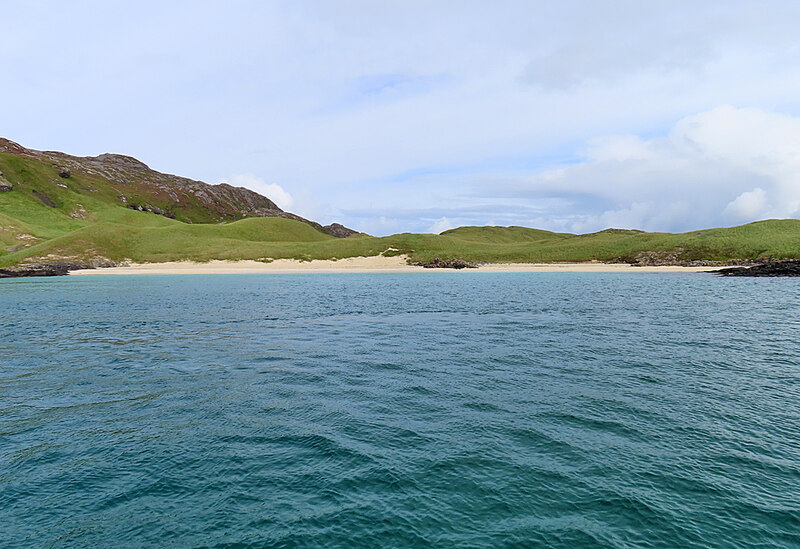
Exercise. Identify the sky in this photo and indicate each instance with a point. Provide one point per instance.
(414, 116)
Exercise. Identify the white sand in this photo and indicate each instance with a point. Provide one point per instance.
(376, 264)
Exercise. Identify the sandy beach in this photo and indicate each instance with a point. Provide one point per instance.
(375, 264)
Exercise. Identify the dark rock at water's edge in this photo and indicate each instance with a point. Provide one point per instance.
(57, 268)
(439, 263)
(772, 268)
(46, 269)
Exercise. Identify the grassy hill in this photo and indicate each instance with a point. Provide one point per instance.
(48, 217)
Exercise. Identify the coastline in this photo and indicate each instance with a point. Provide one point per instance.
(374, 264)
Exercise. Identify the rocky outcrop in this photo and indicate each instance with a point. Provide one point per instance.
(142, 188)
(338, 230)
(5, 186)
(56, 268)
(439, 263)
(79, 212)
(148, 208)
(46, 269)
(769, 269)
(676, 257)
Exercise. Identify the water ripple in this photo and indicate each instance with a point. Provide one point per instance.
(445, 410)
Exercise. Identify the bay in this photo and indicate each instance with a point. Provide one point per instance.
(400, 410)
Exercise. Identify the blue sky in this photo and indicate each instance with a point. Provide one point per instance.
(419, 116)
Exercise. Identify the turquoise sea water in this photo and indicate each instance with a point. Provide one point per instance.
(382, 410)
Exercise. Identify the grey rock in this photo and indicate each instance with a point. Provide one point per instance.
(338, 230)
(438, 263)
(5, 186)
(59, 268)
(101, 264)
(769, 269)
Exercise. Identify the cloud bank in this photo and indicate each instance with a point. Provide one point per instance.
(389, 116)
(273, 191)
(719, 167)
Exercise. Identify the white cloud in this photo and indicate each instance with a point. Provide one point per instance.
(273, 191)
(606, 61)
(440, 226)
(749, 205)
(333, 99)
(378, 224)
(617, 147)
(722, 166)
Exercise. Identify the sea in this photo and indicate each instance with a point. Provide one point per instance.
(441, 409)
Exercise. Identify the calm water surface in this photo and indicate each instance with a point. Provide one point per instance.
(416, 410)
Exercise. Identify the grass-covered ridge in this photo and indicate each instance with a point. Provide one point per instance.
(46, 217)
(143, 237)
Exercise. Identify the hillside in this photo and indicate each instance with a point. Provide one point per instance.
(63, 182)
(113, 208)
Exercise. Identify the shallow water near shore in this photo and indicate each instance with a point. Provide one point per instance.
(400, 410)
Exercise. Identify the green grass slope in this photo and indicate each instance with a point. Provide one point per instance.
(503, 235)
(245, 239)
(772, 238)
(46, 218)
(116, 233)
(35, 178)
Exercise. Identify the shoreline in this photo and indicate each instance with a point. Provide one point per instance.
(374, 264)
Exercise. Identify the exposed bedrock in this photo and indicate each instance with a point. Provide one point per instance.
(5, 186)
(772, 268)
(56, 268)
(439, 263)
